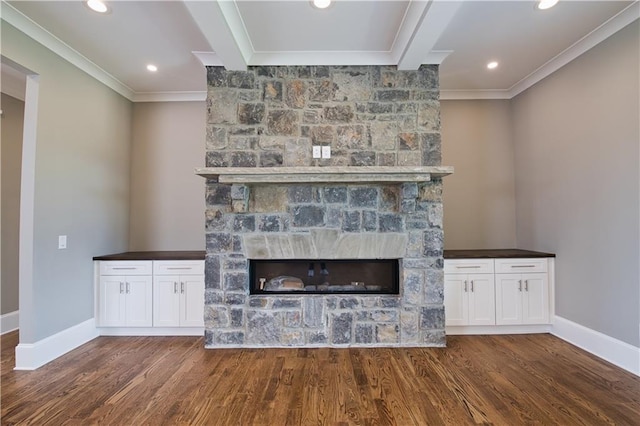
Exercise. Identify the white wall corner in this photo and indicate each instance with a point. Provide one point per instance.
(30, 356)
(9, 322)
(615, 351)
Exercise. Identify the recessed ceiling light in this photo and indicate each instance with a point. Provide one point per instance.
(152, 68)
(547, 4)
(97, 6)
(492, 65)
(321, 4)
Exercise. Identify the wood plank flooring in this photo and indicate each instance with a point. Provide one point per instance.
(501, 380)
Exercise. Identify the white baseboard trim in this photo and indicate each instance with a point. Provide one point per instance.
(615, 351)
(461, 330)
(9, 322)
(151, 331)
(30, 356)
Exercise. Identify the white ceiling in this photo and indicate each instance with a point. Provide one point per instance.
(116, 47)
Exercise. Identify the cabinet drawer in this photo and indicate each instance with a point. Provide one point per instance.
(521, 266)
(125, 267)
(178, 267)
(468, 266)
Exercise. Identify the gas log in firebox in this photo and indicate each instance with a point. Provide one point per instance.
(375, 276)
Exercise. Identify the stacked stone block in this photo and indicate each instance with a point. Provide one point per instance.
(233, 317)
(270, 117)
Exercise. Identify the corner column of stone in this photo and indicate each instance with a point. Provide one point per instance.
(369, 115)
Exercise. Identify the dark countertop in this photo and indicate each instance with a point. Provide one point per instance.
(448, 254)
(154, 255)
(494, 253)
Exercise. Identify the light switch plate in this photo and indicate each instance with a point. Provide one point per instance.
(316, 151)
(326, 152)
(62, 242)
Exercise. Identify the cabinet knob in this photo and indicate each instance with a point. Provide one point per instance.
(526, 285)
(175, 287)
(121, 287)
(471, 285)
(182, 287)
(465, 286)
(520, 285)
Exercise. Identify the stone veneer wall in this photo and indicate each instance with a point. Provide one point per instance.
(270, 117)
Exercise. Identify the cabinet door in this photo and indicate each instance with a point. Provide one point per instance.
(455, 300)
(535, 308)
(138, 301)
(166, 301)
(509, 289)
(111, 310)
(482, 301)
(192, 301)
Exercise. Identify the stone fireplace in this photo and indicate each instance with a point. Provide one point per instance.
(379, 196)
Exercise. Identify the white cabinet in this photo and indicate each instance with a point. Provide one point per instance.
(469, 298)
(178, 294)
(498, 295)
(150, 297)
(125, 294)
(522, 297)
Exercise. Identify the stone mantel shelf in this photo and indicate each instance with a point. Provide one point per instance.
(329, 174)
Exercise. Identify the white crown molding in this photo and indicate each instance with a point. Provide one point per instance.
(604, 31)
(208, 58)
(321, 58)
(452, 95)
(436, 57)
(60, 48)
(170, 96)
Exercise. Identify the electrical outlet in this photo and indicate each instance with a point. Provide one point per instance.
(317, 151)
(326, 152)
(62, 242)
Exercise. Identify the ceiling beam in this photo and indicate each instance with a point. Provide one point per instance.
(222, 27)
(434, 19)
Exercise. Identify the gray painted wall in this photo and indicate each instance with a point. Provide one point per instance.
(167, 198)
(479, 198)
(577, 136)
(168, 141)
(81, 186)
(12, 120)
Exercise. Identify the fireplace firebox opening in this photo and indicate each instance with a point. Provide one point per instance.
(318, 276)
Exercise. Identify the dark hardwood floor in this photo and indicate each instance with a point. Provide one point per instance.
(502, 380)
